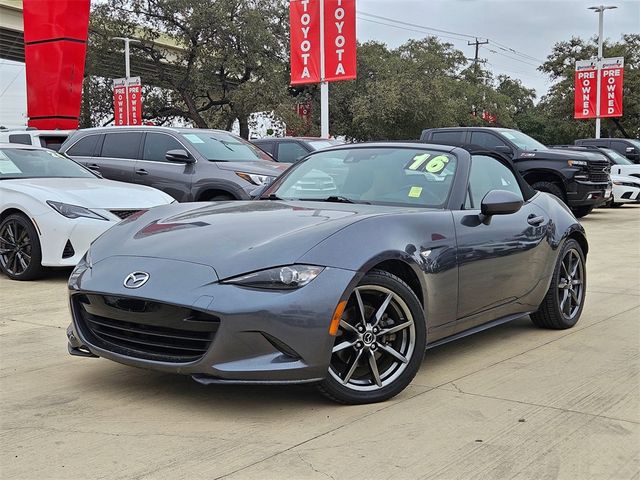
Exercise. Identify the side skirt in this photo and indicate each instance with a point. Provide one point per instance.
(479, 328)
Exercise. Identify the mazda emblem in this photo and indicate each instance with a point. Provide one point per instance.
(136, 279)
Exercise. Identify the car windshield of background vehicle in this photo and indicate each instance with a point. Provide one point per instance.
(525, 142)
(223, 147)
(635, 143)
(320, 144)
(384, 176)
(617, 158)
(27, 163)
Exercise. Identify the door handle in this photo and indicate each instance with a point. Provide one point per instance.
(141, 171)
(93, 166)
(535, 220)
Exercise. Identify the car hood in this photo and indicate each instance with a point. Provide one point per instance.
(625, 178)
(560, 154)
(626, 170)
(232, 237)
(89, 192)
(258, 167)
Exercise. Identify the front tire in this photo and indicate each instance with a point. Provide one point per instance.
(580, 212)
(20, 253)
(551, 188)
(380, 343)
(563, 303)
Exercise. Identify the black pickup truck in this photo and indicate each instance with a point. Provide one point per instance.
(580, 179)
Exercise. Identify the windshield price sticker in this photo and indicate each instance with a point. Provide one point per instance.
(437, 164)
(193, 138)
(418, 161)
(7, 166)
(415, 192)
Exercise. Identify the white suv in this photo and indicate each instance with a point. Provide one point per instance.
(51, 139)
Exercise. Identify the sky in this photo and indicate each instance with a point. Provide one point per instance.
(531, 27)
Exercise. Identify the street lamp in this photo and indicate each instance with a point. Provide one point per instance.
(126, 41)
(600, 9)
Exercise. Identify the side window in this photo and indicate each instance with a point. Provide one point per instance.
(268, 147)
(52, 142)
(485, 139)
(85, 147)
(488, 174)
(447, 137)
(290, 152)
(156, 146)
(121, 145)
(24, 139)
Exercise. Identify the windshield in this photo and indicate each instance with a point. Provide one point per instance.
(320, 144)
(616, 158)
(523, 141)
(387, 176)
(27, 163)
(635, 143)
(224, 147)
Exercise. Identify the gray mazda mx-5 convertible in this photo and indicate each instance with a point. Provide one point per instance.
(343, 272)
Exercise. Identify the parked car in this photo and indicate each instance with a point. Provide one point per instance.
(417, 245)
(292, 149)
(51, 209)
(51, 139)
(629, 147)
(620, 165)
(188, 164)
(580, 179)
(626, 189)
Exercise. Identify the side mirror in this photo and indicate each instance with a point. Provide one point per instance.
(504, 149)
(630, 150)
(500, 202)
(179, 156)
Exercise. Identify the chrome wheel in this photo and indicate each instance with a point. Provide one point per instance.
(571, 284)
(15, 248)
(375, 341)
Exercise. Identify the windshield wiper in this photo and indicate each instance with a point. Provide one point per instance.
(334, 198)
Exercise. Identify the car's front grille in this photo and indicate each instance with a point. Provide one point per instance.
(144, 329)
(122, 214)
(599, 171)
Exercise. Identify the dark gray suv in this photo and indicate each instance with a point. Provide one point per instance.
(188, 164)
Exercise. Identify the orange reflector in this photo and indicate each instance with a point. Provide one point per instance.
(337, 315)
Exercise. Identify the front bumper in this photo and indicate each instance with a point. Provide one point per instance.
(56, 230)
(583, 193)
(262, 336)
(626, 194)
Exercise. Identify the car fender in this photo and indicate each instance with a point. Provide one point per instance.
(232, 188)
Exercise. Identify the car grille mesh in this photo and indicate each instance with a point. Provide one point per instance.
(168, 334)
(599, 171)
(122, 214)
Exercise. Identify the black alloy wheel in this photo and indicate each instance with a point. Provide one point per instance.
(20, 254)
(564, 301)
(380, 342)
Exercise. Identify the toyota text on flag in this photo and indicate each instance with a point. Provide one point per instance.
(304, 17)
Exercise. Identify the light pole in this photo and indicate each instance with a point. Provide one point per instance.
(600, 9)
(127, 41)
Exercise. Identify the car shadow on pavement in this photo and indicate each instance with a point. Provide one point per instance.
(180, 392)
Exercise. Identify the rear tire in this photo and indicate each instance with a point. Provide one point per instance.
(551, 188)
(580, 212)
(20, 253)
(564, 301)
(380, 343)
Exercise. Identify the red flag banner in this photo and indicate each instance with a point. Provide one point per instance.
(586, 85)
(304, 17)
(339, 40)
(120, 101)
(134, 103)
(611, 80)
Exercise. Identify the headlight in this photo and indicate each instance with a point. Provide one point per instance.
(73, 211)
(279, 278)
(255, 179)
(577, 163)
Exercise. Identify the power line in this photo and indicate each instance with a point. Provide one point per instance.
(459, 36)
(513, 58)
(410, 29)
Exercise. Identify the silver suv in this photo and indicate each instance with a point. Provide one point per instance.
(188, 164)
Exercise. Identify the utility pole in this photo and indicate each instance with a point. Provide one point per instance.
(600, 9)
(476, 57)
(127, 41)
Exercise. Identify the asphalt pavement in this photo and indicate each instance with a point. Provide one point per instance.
(514, 402)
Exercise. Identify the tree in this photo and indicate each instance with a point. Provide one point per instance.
(210, 61)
